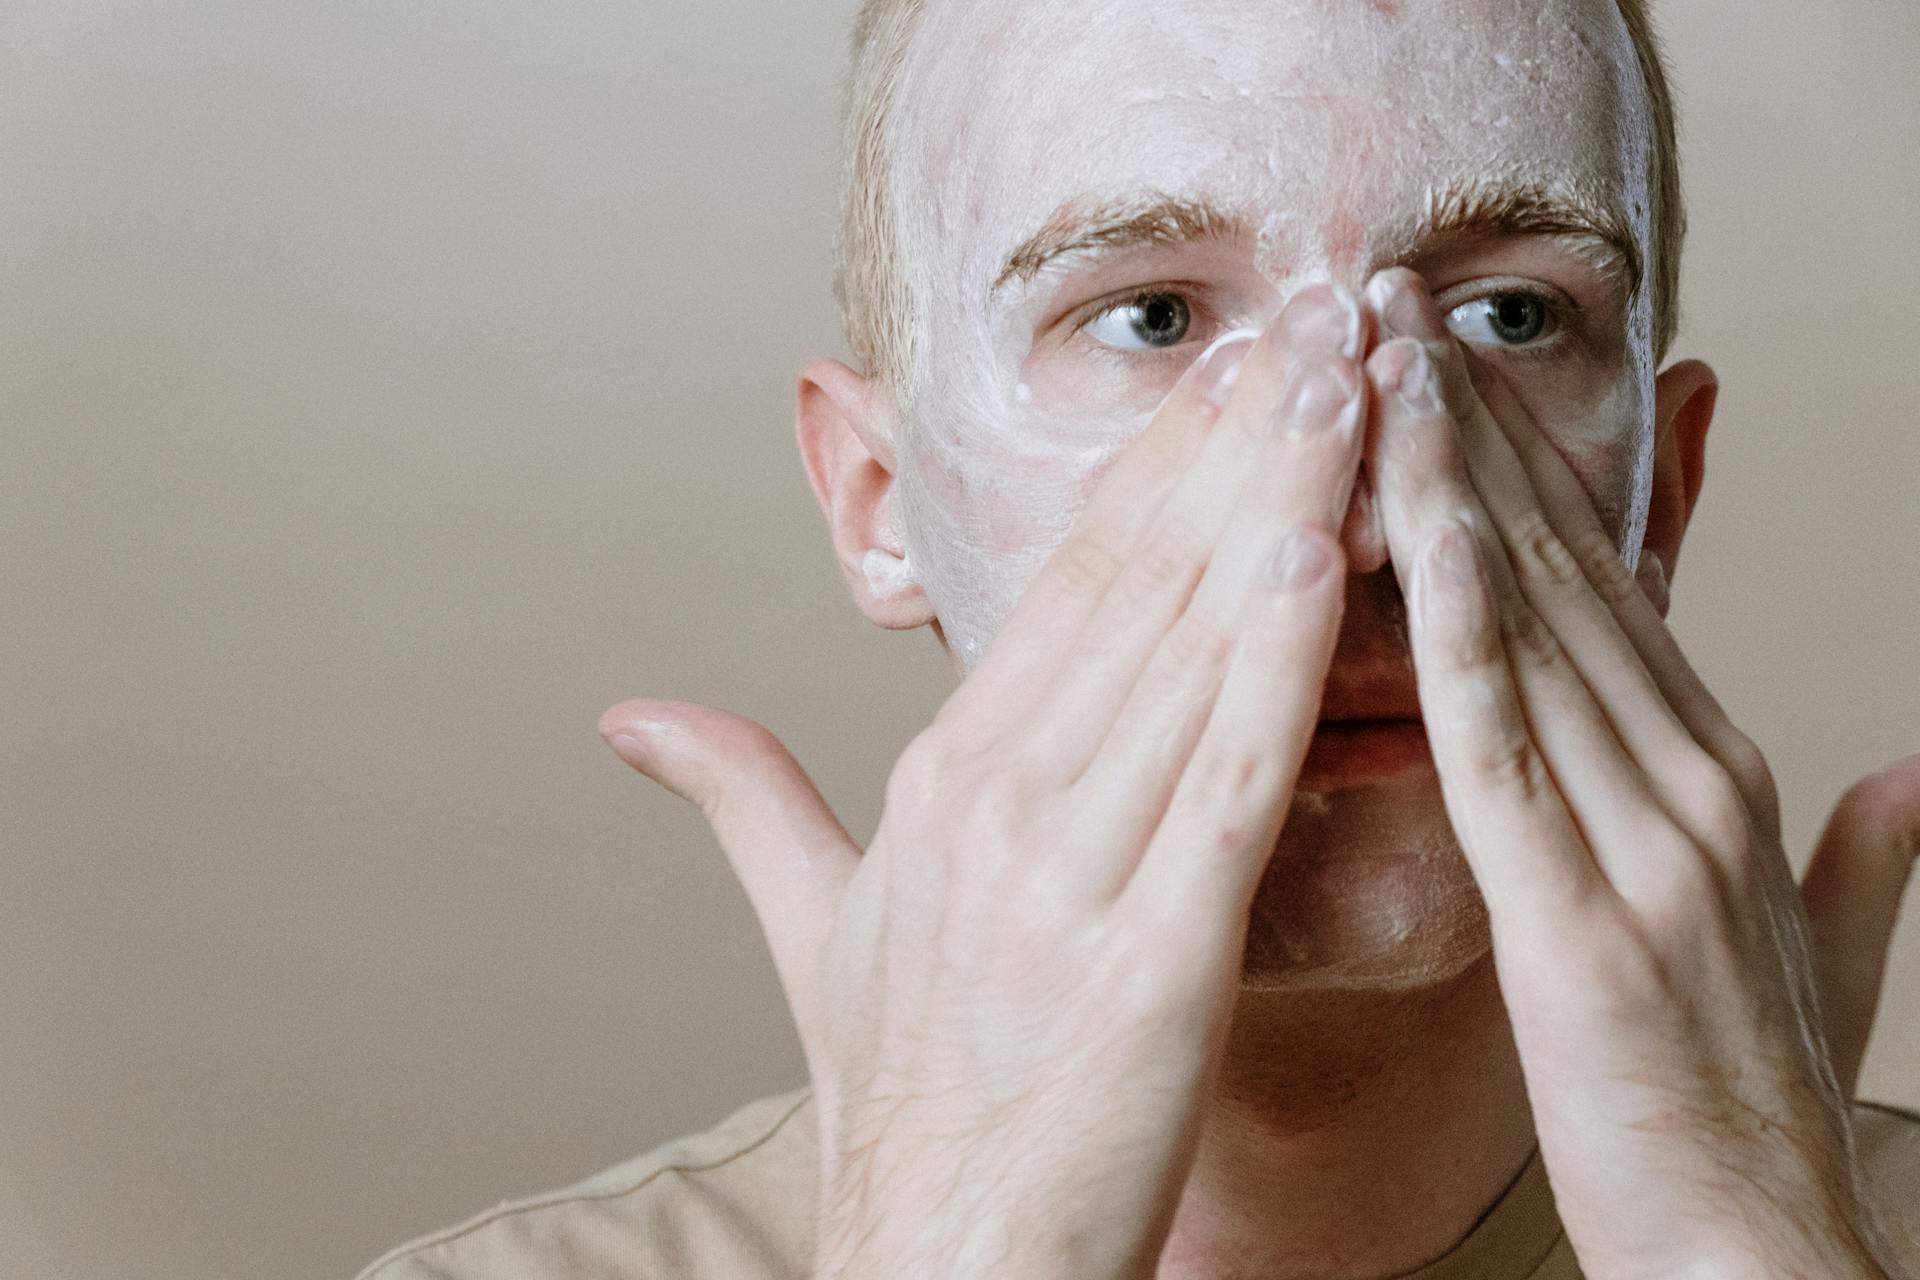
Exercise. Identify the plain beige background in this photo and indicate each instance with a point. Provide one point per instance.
(385, 389)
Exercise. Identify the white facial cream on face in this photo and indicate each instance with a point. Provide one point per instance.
(1298, 141)
(1326, 133)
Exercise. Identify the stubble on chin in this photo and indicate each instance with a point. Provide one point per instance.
(1367, 892)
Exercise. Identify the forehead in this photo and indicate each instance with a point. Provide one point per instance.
(1324, 121)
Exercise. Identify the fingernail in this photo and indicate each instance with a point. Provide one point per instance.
(1326, 316)
(1219, 365)
(1301, 559)
(1419, 385)
(1315, 396)
(1402, 312)
(627, 746)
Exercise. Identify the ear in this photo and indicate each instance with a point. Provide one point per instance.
(845, 425)
(1683, 402)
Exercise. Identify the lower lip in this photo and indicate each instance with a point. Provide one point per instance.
(1357, 752)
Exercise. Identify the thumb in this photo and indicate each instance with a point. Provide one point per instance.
(1852, 897)
(789, 852)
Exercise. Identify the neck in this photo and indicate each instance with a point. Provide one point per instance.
(1353, 1135)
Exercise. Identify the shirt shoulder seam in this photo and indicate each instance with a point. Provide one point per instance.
(548, 1201)
(1911, 1117)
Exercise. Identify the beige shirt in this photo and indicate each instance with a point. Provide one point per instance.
(737, 1201)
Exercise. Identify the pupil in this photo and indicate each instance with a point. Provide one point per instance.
(1518, 318)
(1161, 319)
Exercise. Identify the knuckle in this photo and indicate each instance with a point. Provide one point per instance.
(1698, 895)
(1748, 768)
(922, 769)
(1542, 553)
(1603, 565)
(1164, 563)
(1431, 440)
(1510, 764)
(1719, 807)
(1528, 637)
(1197, 639)
(1225, 776)
(1085, 565)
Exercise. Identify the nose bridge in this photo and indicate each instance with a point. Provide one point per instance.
(1333, 208)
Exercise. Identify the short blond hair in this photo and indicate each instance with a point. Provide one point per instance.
(877, 306)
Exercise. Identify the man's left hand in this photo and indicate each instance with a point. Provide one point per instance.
(1689, 1021)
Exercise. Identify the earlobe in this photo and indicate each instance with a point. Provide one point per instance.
(1684, 400)
(845, 425)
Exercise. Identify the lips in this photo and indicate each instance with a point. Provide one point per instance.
(1369, 732)
(1370, 693)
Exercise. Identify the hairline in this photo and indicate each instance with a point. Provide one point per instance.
(880, 311)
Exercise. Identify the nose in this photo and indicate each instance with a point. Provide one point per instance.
(1362, 535)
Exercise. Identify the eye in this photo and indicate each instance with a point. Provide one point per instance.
(1503, 319)
(1147, 321)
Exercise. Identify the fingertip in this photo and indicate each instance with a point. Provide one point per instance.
(638, 728)
(1904, 773)
(624, 718)
(1408, 376)
(1304, 556)
(1889, 799)
(1218, 369)
(1404, 306)
(621, 728)
(1389, 362)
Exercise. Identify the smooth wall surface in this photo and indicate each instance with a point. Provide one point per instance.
(385, 389)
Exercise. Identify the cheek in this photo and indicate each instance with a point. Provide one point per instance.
(1596, 418)
(1608, 448)
(982, 512)
(1090, 396)
(1023, 503)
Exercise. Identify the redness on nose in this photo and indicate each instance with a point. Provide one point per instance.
(1385, 8)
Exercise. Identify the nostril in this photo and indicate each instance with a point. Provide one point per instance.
(1362, 536)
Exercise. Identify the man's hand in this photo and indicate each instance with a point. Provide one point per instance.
(1014, 1003)
(1654, 955)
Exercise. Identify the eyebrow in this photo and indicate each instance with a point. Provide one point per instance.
(1084, 226)
(1475, 210)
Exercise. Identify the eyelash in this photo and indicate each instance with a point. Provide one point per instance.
(1187, 292)
(1562, 312)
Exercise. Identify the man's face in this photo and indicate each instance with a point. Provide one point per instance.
(1093, 190)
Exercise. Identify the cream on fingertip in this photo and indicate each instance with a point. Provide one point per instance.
(1218, 367)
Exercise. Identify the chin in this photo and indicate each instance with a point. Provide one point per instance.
(1367, 890)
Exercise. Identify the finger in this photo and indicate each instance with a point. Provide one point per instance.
(1852, 894)
(1425, 491)
(1298, 490)
(1255, 451)
(1527, 854)
(1397, 300)
(1205, 859)
(1055, 606)
(790, 853)
(1568, 581)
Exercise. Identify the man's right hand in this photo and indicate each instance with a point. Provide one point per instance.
(1014, 1003)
